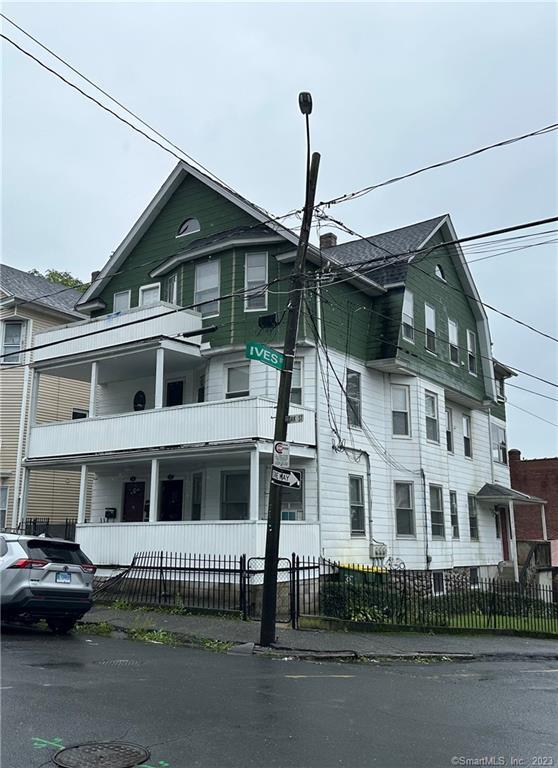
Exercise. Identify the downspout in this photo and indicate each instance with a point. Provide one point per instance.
(424, 497)
(21, 436)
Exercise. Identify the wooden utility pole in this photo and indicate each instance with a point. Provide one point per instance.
(269, 604)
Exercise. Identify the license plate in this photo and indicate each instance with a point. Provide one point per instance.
(63, 578)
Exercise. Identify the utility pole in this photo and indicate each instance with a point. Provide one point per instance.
(269, 602)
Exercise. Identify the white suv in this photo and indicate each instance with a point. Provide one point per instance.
(42, 578)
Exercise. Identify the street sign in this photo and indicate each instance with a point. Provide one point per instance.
(295, 418)
(288, 478)
(281, 455)
(255, 350)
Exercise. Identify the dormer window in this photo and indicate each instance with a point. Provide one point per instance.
(188, 227)
(440, 272)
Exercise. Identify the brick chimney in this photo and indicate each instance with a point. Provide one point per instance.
(328, 240)
(514, 455)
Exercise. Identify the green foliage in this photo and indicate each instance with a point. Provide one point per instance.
(62, 278)
(102, 628)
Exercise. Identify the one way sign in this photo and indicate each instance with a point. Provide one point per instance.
(288, 478)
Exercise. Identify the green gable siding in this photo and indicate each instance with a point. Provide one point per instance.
(159, 243)
(346, 319)
(448, 303)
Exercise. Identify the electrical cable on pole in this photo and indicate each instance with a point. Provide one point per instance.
(269, 599)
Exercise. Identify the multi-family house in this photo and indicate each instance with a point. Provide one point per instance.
(399, 429)
(29, 306)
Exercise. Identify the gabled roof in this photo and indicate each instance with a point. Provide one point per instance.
(21, 285)
(377, 249)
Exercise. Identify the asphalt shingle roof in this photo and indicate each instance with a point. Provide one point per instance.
(22, 285)
(397, 241)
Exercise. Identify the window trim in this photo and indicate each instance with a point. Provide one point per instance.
(7, 487)
(227, 367)
(147, 287)
(428, 306)
(450, 429)
(475, 516)
(466, 419)
(472, 352)
(13, 359)
(247, 297)
(409, 433)
(454, 526)
(437, 536)
(172, 280)
(121, 293)
(408, 295)
(502, 457)
(453, 345)
(229, 472)
(357, 534)
(299, 360)
(217, 301)
(348, 399)
(428, 393)
(411, 485)
(193, 232)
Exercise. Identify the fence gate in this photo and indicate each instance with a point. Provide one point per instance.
(286, 597)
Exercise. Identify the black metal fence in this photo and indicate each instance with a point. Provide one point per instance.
(36, 526)
(323, 588)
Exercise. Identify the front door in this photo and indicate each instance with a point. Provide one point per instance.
(503, 515)
(171, 500)
(133, 506)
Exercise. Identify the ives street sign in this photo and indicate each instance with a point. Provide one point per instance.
(288, 478)
(255, 350)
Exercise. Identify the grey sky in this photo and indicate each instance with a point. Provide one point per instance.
(395, 87)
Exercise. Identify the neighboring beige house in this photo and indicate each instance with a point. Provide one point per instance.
(30, 305)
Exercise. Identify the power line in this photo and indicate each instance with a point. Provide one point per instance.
(394, 179)
(459, 290)
(535, 415)
(532, 392)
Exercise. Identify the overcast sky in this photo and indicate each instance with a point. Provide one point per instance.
(395, 87)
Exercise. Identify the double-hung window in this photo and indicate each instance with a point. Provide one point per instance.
(296, 384)
(149, 294)
(408, 316)
(206, 287)
(3, 505)
(467, 441)
(353, 399)
(121, 301)
(12, 342)
(453, 342)
(235, 495)
(430, 322)
(472, 352)
(499, 447)
(292, 502)
(473, 518)
(404, 512)
(255, 282)
(449, 429)
(356, 500)
(400, 410)
(431, 408)
(437, 512)
(454, 515)
(238, 381)
(172, 289)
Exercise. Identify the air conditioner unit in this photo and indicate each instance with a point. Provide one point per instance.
(378, 550)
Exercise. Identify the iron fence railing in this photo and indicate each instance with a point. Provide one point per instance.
(37, 526)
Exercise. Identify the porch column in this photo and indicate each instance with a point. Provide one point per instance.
(254, 484)
(543, 522)
(82, 503)
(93, 390)
(22, 507)
(159, 373)
(513, 541)
(154, 490)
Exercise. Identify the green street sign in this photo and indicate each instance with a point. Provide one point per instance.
(255, 350)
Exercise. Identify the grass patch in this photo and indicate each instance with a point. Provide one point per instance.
(103, 628)
(522, 624)
(153, 636)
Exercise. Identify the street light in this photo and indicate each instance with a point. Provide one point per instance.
(305, 102)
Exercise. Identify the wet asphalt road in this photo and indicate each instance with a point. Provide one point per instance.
(197, 708)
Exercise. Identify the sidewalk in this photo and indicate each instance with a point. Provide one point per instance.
(321, 644)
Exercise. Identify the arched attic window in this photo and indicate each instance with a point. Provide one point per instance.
(440, 272)
(188, 227)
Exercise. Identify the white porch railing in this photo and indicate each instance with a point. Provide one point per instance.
(116, 543)
(111, 330)
(217, 421)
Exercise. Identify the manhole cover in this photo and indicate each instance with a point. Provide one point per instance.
(96, 755)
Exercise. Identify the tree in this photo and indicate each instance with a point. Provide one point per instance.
(63, 278)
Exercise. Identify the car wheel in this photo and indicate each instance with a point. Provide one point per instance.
(61, 626)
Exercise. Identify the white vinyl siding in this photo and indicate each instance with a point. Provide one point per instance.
(255, 280)
(472, 352)
(408, 316)
(431, 408)
(121, 301)
(206, 288)
(400, 417)
(149, 294)
(404, 511)
(453, 342)
(430, 322)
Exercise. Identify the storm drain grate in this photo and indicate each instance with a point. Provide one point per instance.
(95, 755)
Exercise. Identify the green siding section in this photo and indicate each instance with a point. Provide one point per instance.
(448, 303)
(346, 319)
(159, 243)
(498, 410)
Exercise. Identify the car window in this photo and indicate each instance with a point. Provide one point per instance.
(56, 552)
(3, 546)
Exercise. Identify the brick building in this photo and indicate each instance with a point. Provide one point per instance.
(537, 477)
